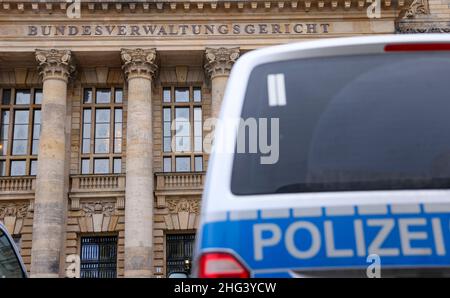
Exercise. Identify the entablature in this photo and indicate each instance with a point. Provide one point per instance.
(202, 6)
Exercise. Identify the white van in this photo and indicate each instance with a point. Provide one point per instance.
(340, 165)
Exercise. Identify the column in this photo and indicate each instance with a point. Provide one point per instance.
(218, 66)
(55, 67)
(139, 66)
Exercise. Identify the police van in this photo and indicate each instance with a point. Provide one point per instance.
(331, 158)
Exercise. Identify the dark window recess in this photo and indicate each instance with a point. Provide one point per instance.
(179, 249)
(98, 257)
(17, 241)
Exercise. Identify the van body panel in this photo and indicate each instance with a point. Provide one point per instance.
(279, 235)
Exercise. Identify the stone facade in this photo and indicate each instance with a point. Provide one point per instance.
(142, 48)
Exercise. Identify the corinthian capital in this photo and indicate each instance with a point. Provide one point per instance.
(55, 64)
(139, 62)
(219, 61)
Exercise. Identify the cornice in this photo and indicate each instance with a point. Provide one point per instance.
(141, 6)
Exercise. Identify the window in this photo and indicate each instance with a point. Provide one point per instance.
(182, 164)
(179, 250)
(98, 257)
(20, 129)
(9, 262)
(182, 129)
(351, 135)
(101, 141)
(198, 163)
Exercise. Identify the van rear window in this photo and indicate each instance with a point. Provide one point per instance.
(350, 123)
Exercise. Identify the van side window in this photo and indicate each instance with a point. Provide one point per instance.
(346, 123)
(9, 263)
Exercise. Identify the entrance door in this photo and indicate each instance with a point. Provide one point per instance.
(98, 257)
(179, 248)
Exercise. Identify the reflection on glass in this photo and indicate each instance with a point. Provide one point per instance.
(102, 130)
(86, 143)
(102, 115)
(182, 130)
(3, 147)
(167, 167)
(36, 131)
(181, 94)
(87, 130)
(6, 97)
(85, 166)
(198, 129)
(87, 96)
(2, 168)
(182, 164)
(118, 115)
(4, 130)
(117, 165)
(21, 117)
(101, 166)
(117, 145)
(103, 96)
(198, 163)
(117, 130)
(38, 96)
(33, 167)
(18, 168)
(101, 145)
(102, 124)
(118, 96)
(5, 117)
(167, 97)
(23, 97)
(197, 94)
(20, 135)
(19, 147)
(167, 133)
(10, 265)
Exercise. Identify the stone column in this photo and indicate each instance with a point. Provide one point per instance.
(139, 67)
(218, 66)
(55, 67)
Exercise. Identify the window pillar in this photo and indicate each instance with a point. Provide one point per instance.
(218, 66)
(55, 66)
(139, 67)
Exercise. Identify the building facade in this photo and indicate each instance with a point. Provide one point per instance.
(104, 116)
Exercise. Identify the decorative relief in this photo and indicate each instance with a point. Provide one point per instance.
(56, 64)
(423, 27)
(106, 208)
(12, 215)
(13, 210)
(219, 61)
(183, 214)
(418, 7)
(95, 216)
(139, 63)
(180, 205)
